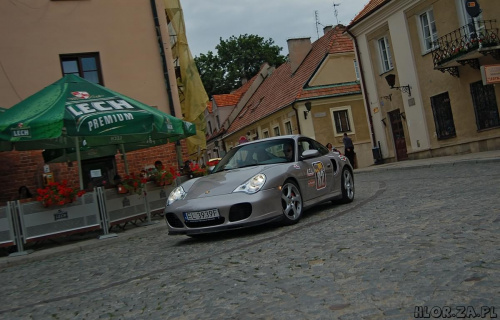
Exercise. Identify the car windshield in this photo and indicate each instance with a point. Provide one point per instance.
(258, 153)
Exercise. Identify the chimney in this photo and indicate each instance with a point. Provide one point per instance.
(326, 29)
(298, 49)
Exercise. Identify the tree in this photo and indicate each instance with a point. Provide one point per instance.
(236, 59)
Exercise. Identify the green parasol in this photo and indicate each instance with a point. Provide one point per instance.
(74, 113)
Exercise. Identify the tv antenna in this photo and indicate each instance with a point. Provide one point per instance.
(335, 11)
(317, 22)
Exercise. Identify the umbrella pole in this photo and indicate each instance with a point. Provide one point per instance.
(122, 149)
(79, 160)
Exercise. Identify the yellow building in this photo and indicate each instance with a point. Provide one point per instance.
(421, 72)
(315, 93)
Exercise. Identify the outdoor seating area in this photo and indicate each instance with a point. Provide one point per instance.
(24, 223)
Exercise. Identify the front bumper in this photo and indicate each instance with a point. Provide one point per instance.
(237, 210)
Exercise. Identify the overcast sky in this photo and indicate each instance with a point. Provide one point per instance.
(208, 21)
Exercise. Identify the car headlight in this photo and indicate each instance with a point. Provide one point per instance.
(253, 185)
(176, 194)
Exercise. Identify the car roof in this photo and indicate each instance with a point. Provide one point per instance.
(290, 136)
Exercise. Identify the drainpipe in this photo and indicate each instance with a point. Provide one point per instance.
(178, 149)
(367, 102)
(296, 116)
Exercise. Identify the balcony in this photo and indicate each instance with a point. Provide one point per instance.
(465, 45)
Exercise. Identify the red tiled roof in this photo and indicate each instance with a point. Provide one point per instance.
(231, 99)
(209, 106)
(282, 88)
(341, 43)
(370, 7)
(224, 100)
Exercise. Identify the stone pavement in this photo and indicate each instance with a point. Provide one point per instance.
(64, 246)
(424, 238)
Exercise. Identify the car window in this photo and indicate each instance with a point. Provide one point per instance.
(321, 148)
(309, 144)
(258, 153)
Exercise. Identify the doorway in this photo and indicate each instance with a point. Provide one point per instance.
(398, 134)
(98, 172)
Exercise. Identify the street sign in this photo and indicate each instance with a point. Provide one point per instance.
(472, 8)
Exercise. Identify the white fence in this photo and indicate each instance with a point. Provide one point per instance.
(24, 222)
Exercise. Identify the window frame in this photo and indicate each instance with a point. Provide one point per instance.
(387, 51)
(356, 70)
(276, 128)
(78, 58)
(483, 101)
(285, 124)
(439, 121)
(348, 111)
(421, 32)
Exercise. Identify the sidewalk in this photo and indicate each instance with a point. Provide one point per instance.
(90, 240)
(486, 156)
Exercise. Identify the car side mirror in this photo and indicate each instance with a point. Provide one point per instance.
(309, 154)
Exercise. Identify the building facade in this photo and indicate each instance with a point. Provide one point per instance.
(421, 65)
(122, 45)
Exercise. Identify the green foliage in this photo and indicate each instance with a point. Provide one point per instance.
(236, 58)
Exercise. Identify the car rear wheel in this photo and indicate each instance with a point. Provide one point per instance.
(347, 186)
(291, 202)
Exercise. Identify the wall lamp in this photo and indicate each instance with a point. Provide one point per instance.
(389, 97)
(308, 107)
(391, 80)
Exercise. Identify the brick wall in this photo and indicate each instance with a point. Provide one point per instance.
(25, 168)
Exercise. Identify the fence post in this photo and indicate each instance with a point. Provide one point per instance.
(13, 213)
(101, 201)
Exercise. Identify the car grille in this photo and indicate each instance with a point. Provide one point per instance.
(201, 224)
(240, 211)
(173, 221)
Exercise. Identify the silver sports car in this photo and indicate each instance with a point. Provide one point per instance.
(259, 182)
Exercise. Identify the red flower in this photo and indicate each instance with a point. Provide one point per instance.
(58, 193)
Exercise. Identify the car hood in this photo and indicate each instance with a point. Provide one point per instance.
(220, 183)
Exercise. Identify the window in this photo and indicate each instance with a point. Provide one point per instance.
(485, 105)
(288, 127)
(218, 121)
(276, 131)
(342, 120)
(265, 133)
(85, 65)
(443, 117)
(209, 127)
(428, 30)
(385, 54)
(356, 69)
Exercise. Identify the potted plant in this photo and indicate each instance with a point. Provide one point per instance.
(133, 183)
(58, 193)
(162, 176)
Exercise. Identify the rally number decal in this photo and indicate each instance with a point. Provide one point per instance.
(319, 174)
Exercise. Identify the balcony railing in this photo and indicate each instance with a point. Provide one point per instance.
(458, 44)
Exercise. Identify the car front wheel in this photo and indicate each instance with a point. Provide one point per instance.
(291, 202)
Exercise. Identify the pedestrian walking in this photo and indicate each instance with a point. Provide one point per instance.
(349, 149)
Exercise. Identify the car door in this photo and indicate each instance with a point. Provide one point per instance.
(318, 171)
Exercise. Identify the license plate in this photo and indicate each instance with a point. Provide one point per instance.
(202, 215)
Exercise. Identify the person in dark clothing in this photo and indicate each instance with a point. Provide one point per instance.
(349, 149)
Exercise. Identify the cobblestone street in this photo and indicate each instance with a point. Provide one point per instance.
(422, 236)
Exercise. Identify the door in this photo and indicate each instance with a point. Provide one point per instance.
(398, 134)
(98, 172)
(318, 171)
